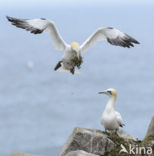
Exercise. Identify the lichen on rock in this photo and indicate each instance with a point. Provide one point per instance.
(88, 140)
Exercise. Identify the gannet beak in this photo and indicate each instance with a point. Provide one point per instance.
(103, 92)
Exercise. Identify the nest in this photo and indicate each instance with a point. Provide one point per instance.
(77, 61)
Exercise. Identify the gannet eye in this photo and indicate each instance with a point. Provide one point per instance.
(109, 92)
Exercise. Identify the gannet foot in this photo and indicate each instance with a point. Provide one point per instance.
(58, 65)
(72, 71)
(106, 132)
(115, 132)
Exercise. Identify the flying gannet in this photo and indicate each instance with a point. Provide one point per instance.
(111, 119)
(72, 53)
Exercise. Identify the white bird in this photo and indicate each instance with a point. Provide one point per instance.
(72, 53)
(111, 119)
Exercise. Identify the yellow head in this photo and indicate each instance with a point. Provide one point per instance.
(75, 46)
(110, 92)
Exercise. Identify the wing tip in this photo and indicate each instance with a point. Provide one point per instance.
(36, 31)
(14, 21)
(9, 18)
(43, 18)
(21, 23)
(126, 42)
(137, 42)
(133, 40)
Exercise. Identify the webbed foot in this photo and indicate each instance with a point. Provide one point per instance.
(58, 65)
(72, 70)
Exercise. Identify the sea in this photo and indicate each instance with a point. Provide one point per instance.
(39, 108)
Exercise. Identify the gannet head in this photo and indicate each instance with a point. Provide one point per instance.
(75, 46)
(110, 92)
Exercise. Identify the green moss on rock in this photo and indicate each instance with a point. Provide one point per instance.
(118, 141)
(148, 139)
(147, 142)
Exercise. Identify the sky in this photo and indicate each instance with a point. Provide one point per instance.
(69, 3)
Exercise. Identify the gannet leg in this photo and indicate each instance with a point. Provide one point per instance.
(106, 132)
(58, 65)
(115, 132)
(72, 70)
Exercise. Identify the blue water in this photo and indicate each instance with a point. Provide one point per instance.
(39, 107)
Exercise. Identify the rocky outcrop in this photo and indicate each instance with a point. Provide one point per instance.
(80, 153)
(21, 154)
(90, 141)
(150, 128)
(121, 133)
(149, 138)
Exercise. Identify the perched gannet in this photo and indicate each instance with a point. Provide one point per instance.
(111, 120)
(72, 53)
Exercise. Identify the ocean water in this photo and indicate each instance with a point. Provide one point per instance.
(39, 108)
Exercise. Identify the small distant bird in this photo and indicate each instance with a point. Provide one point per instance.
(111, 119)
(72, 53)
(30, 64)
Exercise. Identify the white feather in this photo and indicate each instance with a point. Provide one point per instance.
(119, 118)
(114, 35)
(49, 27)
(38, 26)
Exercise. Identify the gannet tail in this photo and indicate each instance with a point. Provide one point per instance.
(62, 70)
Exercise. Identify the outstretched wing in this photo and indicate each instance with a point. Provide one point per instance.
(37, 26)
(112, 35)
(119, 119)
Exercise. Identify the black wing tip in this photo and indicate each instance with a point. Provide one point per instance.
(126, 41)
(22, 23)
(110, 28)
(9, 18)
(132, 39)
(43, 18)
(120, 42)
(122, 125)
(14, 21)
(137, 42)
(36, 31)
